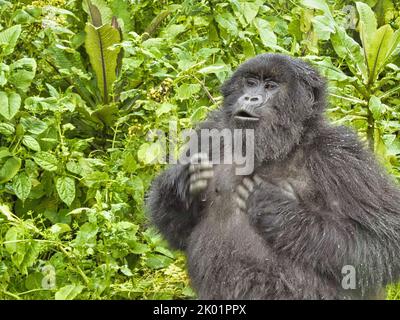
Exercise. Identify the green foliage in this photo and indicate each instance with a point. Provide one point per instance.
(83, 83)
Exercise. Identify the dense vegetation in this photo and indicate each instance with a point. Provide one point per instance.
(82, 83)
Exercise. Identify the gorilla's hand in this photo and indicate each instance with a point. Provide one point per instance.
(270, 207)
(200, 173)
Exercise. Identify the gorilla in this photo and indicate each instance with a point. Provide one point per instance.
(317, 218)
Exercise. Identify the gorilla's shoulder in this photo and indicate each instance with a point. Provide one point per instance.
(338, 142)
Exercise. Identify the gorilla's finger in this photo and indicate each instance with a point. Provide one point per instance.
(242, 191)
(203, 175)
(199, 167)
(198, 186)
(257, 179)
(248, 184)
(240, 202)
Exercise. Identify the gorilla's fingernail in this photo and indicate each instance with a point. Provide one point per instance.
(242, 191)
(257, 179)
(240, 203)
(248, 183)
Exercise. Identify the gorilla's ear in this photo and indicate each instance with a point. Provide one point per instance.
(311, 78)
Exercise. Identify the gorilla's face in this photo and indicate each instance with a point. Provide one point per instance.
(274, 95)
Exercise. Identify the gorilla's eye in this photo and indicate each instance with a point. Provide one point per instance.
(270, 85)
(251, 82)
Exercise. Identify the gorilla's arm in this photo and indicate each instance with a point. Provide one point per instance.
(174, 198)
(359, 224)
(170, 206)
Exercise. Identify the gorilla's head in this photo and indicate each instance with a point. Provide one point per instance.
(275, 95)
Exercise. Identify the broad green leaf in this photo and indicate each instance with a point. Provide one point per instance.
(105, 11)
(69, 292)
(323, 27)
(46, 160)
(378, 50)
(213, 69)
(22, 73)
(8, 39)
(150, 153)
(60, 228)
(31, 143)
(250, 10)
(367, 22)
(268, 37)
(6, 129)
(164, 108)
(376, 107)
(347, 48)
(187, 90)
(157, 261)
(102, 58)
(318, 4)
(33, 125)
(9, 169)
(9, 104)
(22, 186)
(66, 189)
(227, 22)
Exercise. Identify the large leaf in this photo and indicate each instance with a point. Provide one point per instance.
(367, 21)
(22, 73)
(66, 189)
(9, 169)
(22, 186)
(9, 104)
(69, 292)
(378, 45)
(347, 48)
(377, 50)
(9, 38)
(102, 58)
(46, 160)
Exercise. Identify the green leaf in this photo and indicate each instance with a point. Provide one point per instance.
(66, 189)
(22, 73)
(376, 107)
(9, 104)
(347, 48)
(164, 108)
(46, 160)
(320, 5)
(9, 38)
(7, 129)
(323, 27)
(157, 261)
(31, 143)
(22, 186)
(102, 58)
(9, 169)
(33, 125)
(150, 153)
(378, 50)
(228, 22)
(368, 24)
(250, 10)
(268, 37)
(60, 228)
(213, 69)
(69, 292)
(187, 90)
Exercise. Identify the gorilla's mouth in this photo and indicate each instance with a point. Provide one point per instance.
(245, 115)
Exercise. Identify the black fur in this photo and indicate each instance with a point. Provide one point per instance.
(343, 209)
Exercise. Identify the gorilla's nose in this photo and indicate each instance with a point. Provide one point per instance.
(253, 99)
